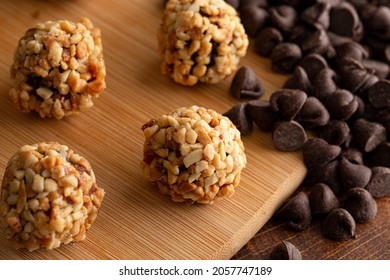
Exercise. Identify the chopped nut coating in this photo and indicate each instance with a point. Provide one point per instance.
(203, 155)
(54, 202)
(58, 68)
(200, 41)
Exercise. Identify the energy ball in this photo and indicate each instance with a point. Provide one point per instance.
(58, 68)
(49, 197)
(200, 41)
(193, 154)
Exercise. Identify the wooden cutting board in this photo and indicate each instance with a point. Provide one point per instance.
(136, 221)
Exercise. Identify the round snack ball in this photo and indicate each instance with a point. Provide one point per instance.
(58, 68)
(193, 154)
(49, 196)
(200, 41)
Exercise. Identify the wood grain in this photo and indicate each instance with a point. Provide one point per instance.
(136, 221)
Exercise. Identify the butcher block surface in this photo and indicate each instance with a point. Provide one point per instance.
(135, 220)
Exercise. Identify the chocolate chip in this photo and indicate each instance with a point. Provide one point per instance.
(313, 65)
(285, 251)
(368, 135)
(322, 200)
(317, 42)
(386, 54)
(352, 50)
(360, 204)
(297, 212)
(379, 186)
(267, 39)
(262, 114)
(313, 113)
(335, 132)
(246, 84)
(288, 102)
(259, 3)
(234, 3)
(381, 116)
(288, 136)
(341, 104)
(345, 21)
(283, 17)
(337, 40)
(317, 15)
(353, 155)
(240, 118)
(353, 175)
(325, 83)
(379, 23)
(299, 80)
(317, 152)
(353, 74)
(379, 94)
(253, 18)
(378, 68)
(380, 156)
(327, 174)
(339, 225)
(285, 57)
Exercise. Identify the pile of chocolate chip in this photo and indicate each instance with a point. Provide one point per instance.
(338, 53)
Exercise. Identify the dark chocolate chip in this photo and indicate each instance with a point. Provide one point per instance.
(360, 204)
(353, 155)
(285, 57)
(352, 50)
(368, 135)
(313, 113)
(253, 18)
(341, 104)
(344, 21)
(325, 83)
(327, 174)
(288, 136)
(339, 225)
(262, 114)
(297, 212)
(381, 116)
(313, 65)
(317, 15)
(259, 3)
(240, 118)
(337, 40)
(386, 54)
(285, 251)
(353, 175)
(353, 74)
(317, 42)
(267, 39)
(335, 132)
(379, 94)
(379, 186)
(317, 152)
(283, 17)
(299, 80)
(246, 84)
(379, 23)
(288, 102)
(234, 3)
(322, 200)
(380, 156)
(378, 68)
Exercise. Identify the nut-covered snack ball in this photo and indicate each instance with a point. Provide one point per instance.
(58, 68)
(49, 196)
(200, 41)
(193, 154)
